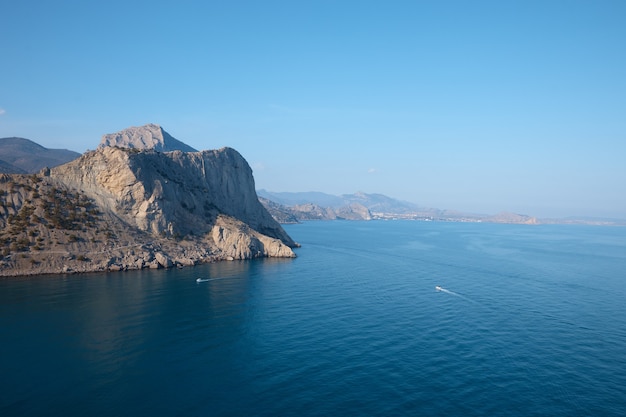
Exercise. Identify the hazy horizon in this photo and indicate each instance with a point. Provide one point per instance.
(481, 106)
(545, 215)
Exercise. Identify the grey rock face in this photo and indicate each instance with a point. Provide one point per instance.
(174, 193)
(236, 241)
(150, 136)
(163, 260)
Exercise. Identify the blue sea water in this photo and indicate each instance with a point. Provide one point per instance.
(531, 322)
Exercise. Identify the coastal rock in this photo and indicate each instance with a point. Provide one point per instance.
(119, 209)
(237, 241)
(163, 260)
(171, 194)
(186, 262)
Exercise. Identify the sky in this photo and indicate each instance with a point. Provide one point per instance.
(478, 106)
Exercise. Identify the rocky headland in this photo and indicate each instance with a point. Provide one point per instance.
(122, 207)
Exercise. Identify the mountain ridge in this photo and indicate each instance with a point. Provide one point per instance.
(290, 207)
(23, 156)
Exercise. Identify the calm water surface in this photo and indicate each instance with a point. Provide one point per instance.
(532, 322)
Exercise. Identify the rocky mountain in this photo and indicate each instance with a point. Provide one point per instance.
(321, 206)
(23, 156)
(373, 202)
(279, 212)
(298, 198)
(287, 207)
(123, 208)
(294, 207)
(379, 203)
(150, 136)
(309, 211)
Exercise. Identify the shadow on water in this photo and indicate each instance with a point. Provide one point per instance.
(121, 333)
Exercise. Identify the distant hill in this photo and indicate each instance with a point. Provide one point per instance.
(150, 136)
(292, 199)
(506, 217)
(6, 168)
(380, 203)
(373, 202)
(279, 212)
(292, 207)
(23, 156)
(287, 207)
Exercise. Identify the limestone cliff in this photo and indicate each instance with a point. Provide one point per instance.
(173, 193)
(117, 208)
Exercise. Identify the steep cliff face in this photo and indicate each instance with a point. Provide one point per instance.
(172, 194)
(114, 209)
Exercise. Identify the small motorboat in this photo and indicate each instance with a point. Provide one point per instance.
(202, 280)
(438, 288)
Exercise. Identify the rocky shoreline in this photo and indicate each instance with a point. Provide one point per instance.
(92, 250)
(123, 250)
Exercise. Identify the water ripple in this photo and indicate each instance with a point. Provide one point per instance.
(533, 324)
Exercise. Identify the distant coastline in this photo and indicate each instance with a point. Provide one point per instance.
(293, 207)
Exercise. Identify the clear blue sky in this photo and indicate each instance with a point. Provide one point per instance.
(471, 105)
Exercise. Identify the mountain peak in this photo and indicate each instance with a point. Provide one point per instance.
(150, 136)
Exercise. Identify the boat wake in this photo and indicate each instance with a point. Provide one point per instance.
(207, 279)
(441, 289)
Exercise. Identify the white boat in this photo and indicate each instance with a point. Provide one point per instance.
(202, 280)
(438, 288)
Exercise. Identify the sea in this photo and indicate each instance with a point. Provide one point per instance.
(377, 318)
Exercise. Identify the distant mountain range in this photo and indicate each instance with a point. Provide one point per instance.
(289, 207)
(373, 202)
(293, 207)
(23, 156)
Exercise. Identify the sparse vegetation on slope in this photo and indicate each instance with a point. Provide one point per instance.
(116, 209)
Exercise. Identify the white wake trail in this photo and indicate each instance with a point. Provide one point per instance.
(441, 289)
(208, 279)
